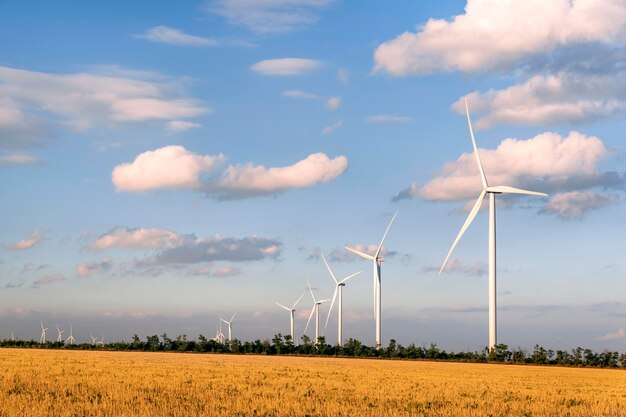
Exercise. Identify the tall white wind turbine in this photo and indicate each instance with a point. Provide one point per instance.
(492, 191)
(292, 312)
(338, 291)
(42, 339)
(60, 337)
(315, 309)
(230, 326)
(93, 340)
(71, 338)
(377, 274)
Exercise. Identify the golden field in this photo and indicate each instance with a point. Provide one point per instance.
(94, 383)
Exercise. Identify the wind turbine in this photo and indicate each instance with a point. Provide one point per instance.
(492, 191)
(338, 290)
(315, 309)
(42, 339)
(71, 338)
(377, 273)
(292, 312)
(101, 342)
(230, 326)
(93, 340)
(60, 337)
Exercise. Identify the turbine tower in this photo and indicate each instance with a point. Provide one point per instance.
(42, 339)
(315, 309)
(230, 327)
(292, 312)
(338, 290)
(60, 337)
(377, 273)
(71, 338)
(492, 191)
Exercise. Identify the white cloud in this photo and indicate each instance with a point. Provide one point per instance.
(618, 334)
(141, 238)
(34, 238)
(239, 181)
(574, 204)
(546, 162)
(34, 104)
(18, 159)
(286, 66)
(164, 34)
(174, 167)
(388, 118)
(181, 125)
(299, 94)
(226, 271)
(88, 269)
(559, 98)
(269, 16)
(454, 265)
(333, 103)
(167, 167)
(343, 75)
(495, 34)
(330, 129)
(48, 279)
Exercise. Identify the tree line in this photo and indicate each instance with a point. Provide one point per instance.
(284, 345)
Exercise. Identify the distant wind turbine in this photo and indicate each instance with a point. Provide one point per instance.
(338, 291)
(492, 191)
(93, 340)
(60, 337)
(230, 326)
(377, 273)
(71, 338)
(42, 339)
(315, 309)
(292, 312)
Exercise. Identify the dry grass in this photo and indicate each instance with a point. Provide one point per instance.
(75, 383)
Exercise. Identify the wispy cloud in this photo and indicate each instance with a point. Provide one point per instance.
(269, 16)
(330, 129)
(19, 159)
(92, 268)
(299, 94)
(454, 265)
(618, 334)
(182, 126)
(574, 204)
(138, 238)
(333, 103)
(388, 118)
(34, 238)
(171, 36)
(286, 66)
(48, 279)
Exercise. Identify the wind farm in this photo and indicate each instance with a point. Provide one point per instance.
(175, 178)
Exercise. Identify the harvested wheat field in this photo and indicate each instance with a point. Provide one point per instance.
(88, 383)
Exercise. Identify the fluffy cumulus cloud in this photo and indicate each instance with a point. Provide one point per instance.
(241, 181)
(547, 162)
(567, 167)
(34, 105)
(574, 204)
(174, 167)
(286, 66)
(167, 167)
(269, 16)
(34, 238)
(551, 99)
(138, 238)
(495, 34)
(164, 34)
(88, 269)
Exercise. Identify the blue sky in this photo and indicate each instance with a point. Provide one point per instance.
(164, 165)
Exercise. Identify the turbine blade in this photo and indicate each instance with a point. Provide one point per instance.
(310, 316)
(231, 319)
(280, 305)
(361, 254)
(512, 190)
(349, 276)
(483, 178)
(224, 320)
(385, 235)
(310, 290)
(329, 270)
(298, 300)
(331, 305)
(468, 221)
